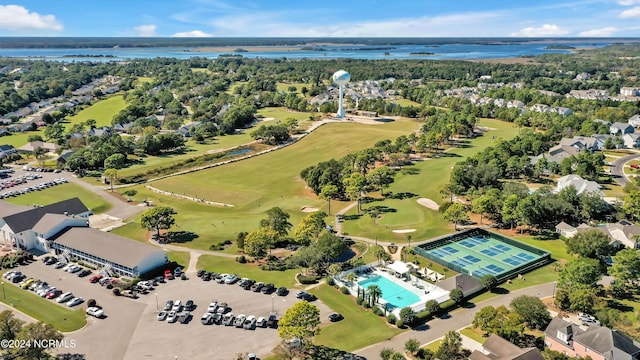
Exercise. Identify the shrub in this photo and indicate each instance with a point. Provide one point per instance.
(330, 281)
(130, 192)
(391, 319)
(367, 305)
(344, 290)
(116, 292)
(400, 324)
(407, 315)
(359, 300)
(227, 242)
(378, 311)
(241, 259)
(307, 279)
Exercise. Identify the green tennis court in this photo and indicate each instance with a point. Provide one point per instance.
(478, 252)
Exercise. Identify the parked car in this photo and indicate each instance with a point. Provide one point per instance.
(268, 289)
(213, 306)
(206, 277)
(239, 321)
(168, 305)
(222, 308)
(162, 315)
(95, 278)
(53, 294)
(230, 279)
(189, 305)
(200, 273)
(216, 318)
(172, 317)
(96, 312)
(272, 322)
(206, 318)
(248, 284)
(184, 317)
(220, 278)
(333, 317)
(227, 320)
(75, 269)
(75, 301)
(249, 322)
(282, 291)
(261, 322)
(177, 306)
(85, 272)
(177, 272)
(257, 286)
(301, 294)
(310, 297)
(168, 275)
(58, 265)
(11, 273)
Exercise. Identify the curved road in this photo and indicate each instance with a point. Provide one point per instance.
(617, 169)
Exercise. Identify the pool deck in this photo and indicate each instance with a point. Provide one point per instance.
(424, 290)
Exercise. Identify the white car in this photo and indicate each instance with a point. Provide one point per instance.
(262, 322)
(212, 307)
(230, 279)
(95, 311)
(68, 266)
(172, 317)
(65, 297)
(177, 306)
(75, 301)
(44, 291)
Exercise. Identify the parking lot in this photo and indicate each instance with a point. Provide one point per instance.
(132, 331)
(22, 182)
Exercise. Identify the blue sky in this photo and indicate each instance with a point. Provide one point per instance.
(327, 18)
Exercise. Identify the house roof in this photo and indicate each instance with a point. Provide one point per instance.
(620, 125)
(564, 227)
(7, 208)
(6, 147)
(565, 327)
(399, 267)
(48, 222)
(24, 220)
(579, 183)
(107, 246)
(605, 341)
(501, 349)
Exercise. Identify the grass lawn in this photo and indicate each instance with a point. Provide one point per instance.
(284, 87)
(101, 111)
(359, 328)
(474, 334)
(406, 213)
(281, 113)
(145, 79)
(62, 192)
(202, 70)
(132, 230)
(230, 266)
(180, 257)
(255, 185)
(434, 346)
(192, 149)
(19, 139)
(44, 310)
(406, 102)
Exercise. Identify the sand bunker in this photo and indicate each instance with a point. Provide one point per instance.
(309, 209)
(268, 119)
(404, 231)
(428, 203)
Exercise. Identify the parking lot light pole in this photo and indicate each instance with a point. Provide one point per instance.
(156, 294)
(4, 296)
(273, 298)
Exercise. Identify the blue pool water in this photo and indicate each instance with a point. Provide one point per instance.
(395, 295)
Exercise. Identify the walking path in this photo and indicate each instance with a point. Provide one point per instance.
(200, 200)
(459, 319)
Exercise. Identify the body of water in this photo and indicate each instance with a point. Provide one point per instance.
(395, 295)
(457, 51)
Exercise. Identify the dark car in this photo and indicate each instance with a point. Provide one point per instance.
(282, 291)
(272, 322)
(310, 297)
(85, 272)
(200, 273)
(268, 289)
(335, 317)
(206, 277)
(257, 286)
(248, 284)
(189, 305)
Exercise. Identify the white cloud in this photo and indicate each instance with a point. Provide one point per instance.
(628, 2)
(193, 33)
(607, 31)
(16, 17)
(544, 30)
(634, 12)
(145, 30)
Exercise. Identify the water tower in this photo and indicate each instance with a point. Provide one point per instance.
(341, 78)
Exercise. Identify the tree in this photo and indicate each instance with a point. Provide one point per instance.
(112, 175)
(489, 282)
(590, 244)
(626, 266)
(32, 334)
(579, 274)
(329, 192)
(278, 221)
(456, 213)
(374, 293)
(407, 315)
(432, 306)
(412, 345)
(481, 205)
(456, 295)
(300, 321)
(10, 326)
(240, 239)
(256, 242)
(532, 311)
(451, 346)
(582, 300)
(158, 218)
(354, 187)
(115, 161)
(631, 204)
(381, 178)
(381, 254)
(385, 353)
(310, 227)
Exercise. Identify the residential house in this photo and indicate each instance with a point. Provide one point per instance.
(187, 129)
(625, 234)
(497, 348)
(634, 120)
(581, 143)
(3, 131)
(540, 108)
(105, 130)
(583, 76)
(566, 230)
(619, 128)
(32, 146)
(562, 111)
(631, 140)
(629, 91)
(596, 342)
(517, 104)
(581, 185)
(64, 157)
(6, 150)
(123, 128)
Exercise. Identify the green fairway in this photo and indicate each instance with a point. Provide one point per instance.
(281, 113)
(43, 310)
(255, 185)
(192, 150)
(63, 192)
(20, 138)
(180, 257)
(428, 178)
(252, 271)
(284, 87)
(359, 328)
(101, 111)
(406, 102)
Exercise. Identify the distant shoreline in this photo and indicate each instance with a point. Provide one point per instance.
(232, 49)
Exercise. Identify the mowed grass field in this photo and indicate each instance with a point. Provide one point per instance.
(230, 266)
(101, 111)
(431, 176)
(63, 192)
(255, 185)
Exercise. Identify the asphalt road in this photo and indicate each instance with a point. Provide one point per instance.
(617, 167)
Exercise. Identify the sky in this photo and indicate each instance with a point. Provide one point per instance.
(327, 18)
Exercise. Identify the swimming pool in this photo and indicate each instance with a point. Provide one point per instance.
(396, 295)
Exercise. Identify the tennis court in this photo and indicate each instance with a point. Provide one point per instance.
(482, 253)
